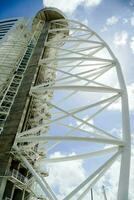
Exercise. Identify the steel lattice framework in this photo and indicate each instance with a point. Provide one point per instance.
(76, 62)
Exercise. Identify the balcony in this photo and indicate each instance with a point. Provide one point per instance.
(16, 177)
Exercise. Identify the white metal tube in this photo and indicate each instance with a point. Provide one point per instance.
(42, 88)
(68, 138)
(82, 108)
(126, 155)
(34, 173)
(82, 121)
(95, 180)
(78, 78)
(49, 188)
(81, 156)
(93, 175)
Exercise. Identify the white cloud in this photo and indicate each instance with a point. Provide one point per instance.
(120, 38)
(115, 106)
(132, 44)
(124, 20)
(92, 2)
(109, 22)
(112, 20)
(65, 176)
(71, 5)
(111, 181)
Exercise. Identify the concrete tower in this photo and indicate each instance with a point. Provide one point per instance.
(21, 47)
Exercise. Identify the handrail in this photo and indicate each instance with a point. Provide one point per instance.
(16, 174)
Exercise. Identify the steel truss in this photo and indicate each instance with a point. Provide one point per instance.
(75, 64)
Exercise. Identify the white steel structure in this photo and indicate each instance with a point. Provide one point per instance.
(72, 85)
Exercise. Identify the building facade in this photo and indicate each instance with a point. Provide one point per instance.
(21, 47)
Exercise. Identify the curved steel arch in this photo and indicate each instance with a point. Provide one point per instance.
(72, 64)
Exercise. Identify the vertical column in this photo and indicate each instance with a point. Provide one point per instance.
(123, 190)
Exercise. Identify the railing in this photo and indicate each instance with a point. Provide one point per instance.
(7, 99)
(16, 174)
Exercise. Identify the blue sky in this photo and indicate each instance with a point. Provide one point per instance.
(113, 20)
(18, 8)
